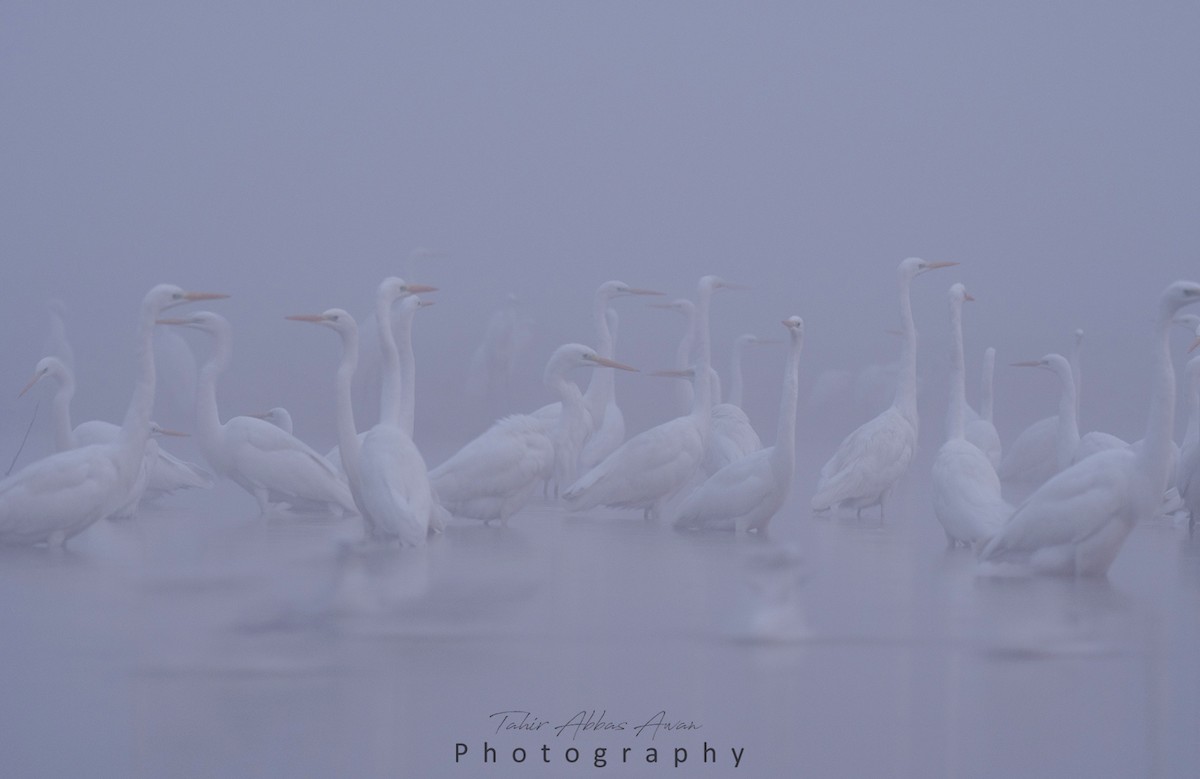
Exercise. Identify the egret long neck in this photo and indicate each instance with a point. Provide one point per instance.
(1155, 452)
(136, 425)
(208, 420)
(735, 373)
(408, 371)
(390, 381)
(64, 434)
(1067, 439)
(601, 383)
(906, 385)
(956, 423)
(344, 409)
(985, 384)
(785, 433)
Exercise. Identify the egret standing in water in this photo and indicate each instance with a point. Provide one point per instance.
(747, 492)
(261, 458)
(59, 496)
(966, 490)
(494, 475)
(874, 457)
(648, 469)
(1076, 523)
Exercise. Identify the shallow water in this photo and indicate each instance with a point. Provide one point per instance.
(200, 640)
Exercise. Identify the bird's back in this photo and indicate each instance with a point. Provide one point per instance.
(868, 461)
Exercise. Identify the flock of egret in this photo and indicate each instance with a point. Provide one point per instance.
(1085, 494)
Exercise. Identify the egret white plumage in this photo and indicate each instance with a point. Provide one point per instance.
(1077, 521)
(277, 416)
(386, 473)
(494, 475)
(1066, 432)
(163, 472)
(59, 496)
(747, 493)
(1032, 457)
(258, 456)
(732, 436)
(966, 490)
(648, 469)
(600, 391)
(683, 353)
(979, 427)
(874, 457)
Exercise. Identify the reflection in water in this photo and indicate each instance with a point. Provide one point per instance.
(186, 643)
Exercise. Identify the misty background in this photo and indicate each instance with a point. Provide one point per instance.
(293, 154)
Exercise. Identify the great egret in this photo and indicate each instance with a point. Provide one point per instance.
(611, 430)
(1066, 433)
(59, 496)
(1077, 521)
(683, 353)
(599, 397)
(966, 490)
(979, 428)
(494, 475)
(732, 436)
(386, 472)
(648, 469)
(277, 416)
(261, 458)
(1032, 457)
(747, 493)
(872, 458)
(163, 473)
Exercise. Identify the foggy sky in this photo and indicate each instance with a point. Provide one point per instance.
(293, 154)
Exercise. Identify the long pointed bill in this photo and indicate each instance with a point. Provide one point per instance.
(1195, 343)
(29, 386)
(306, 318)
(416, 289)
(634, 291)
(192, 297)
(174, 433)
(936, 265)
(169, 321)
(1028, 364)
(968, 296)
(607, 363)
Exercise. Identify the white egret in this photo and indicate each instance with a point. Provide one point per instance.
(258, 456)
(979, 427)
(386, 473)
(746, 494)
(648, 469)
(494, 475)
(872, 458)
(599, 397)
(59, 496)
(1077, 521)
(163, 472)
(1032, 457)
(277, 416)
(732, 436)
(966, 490)
(683, 353)
(1066, 433)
